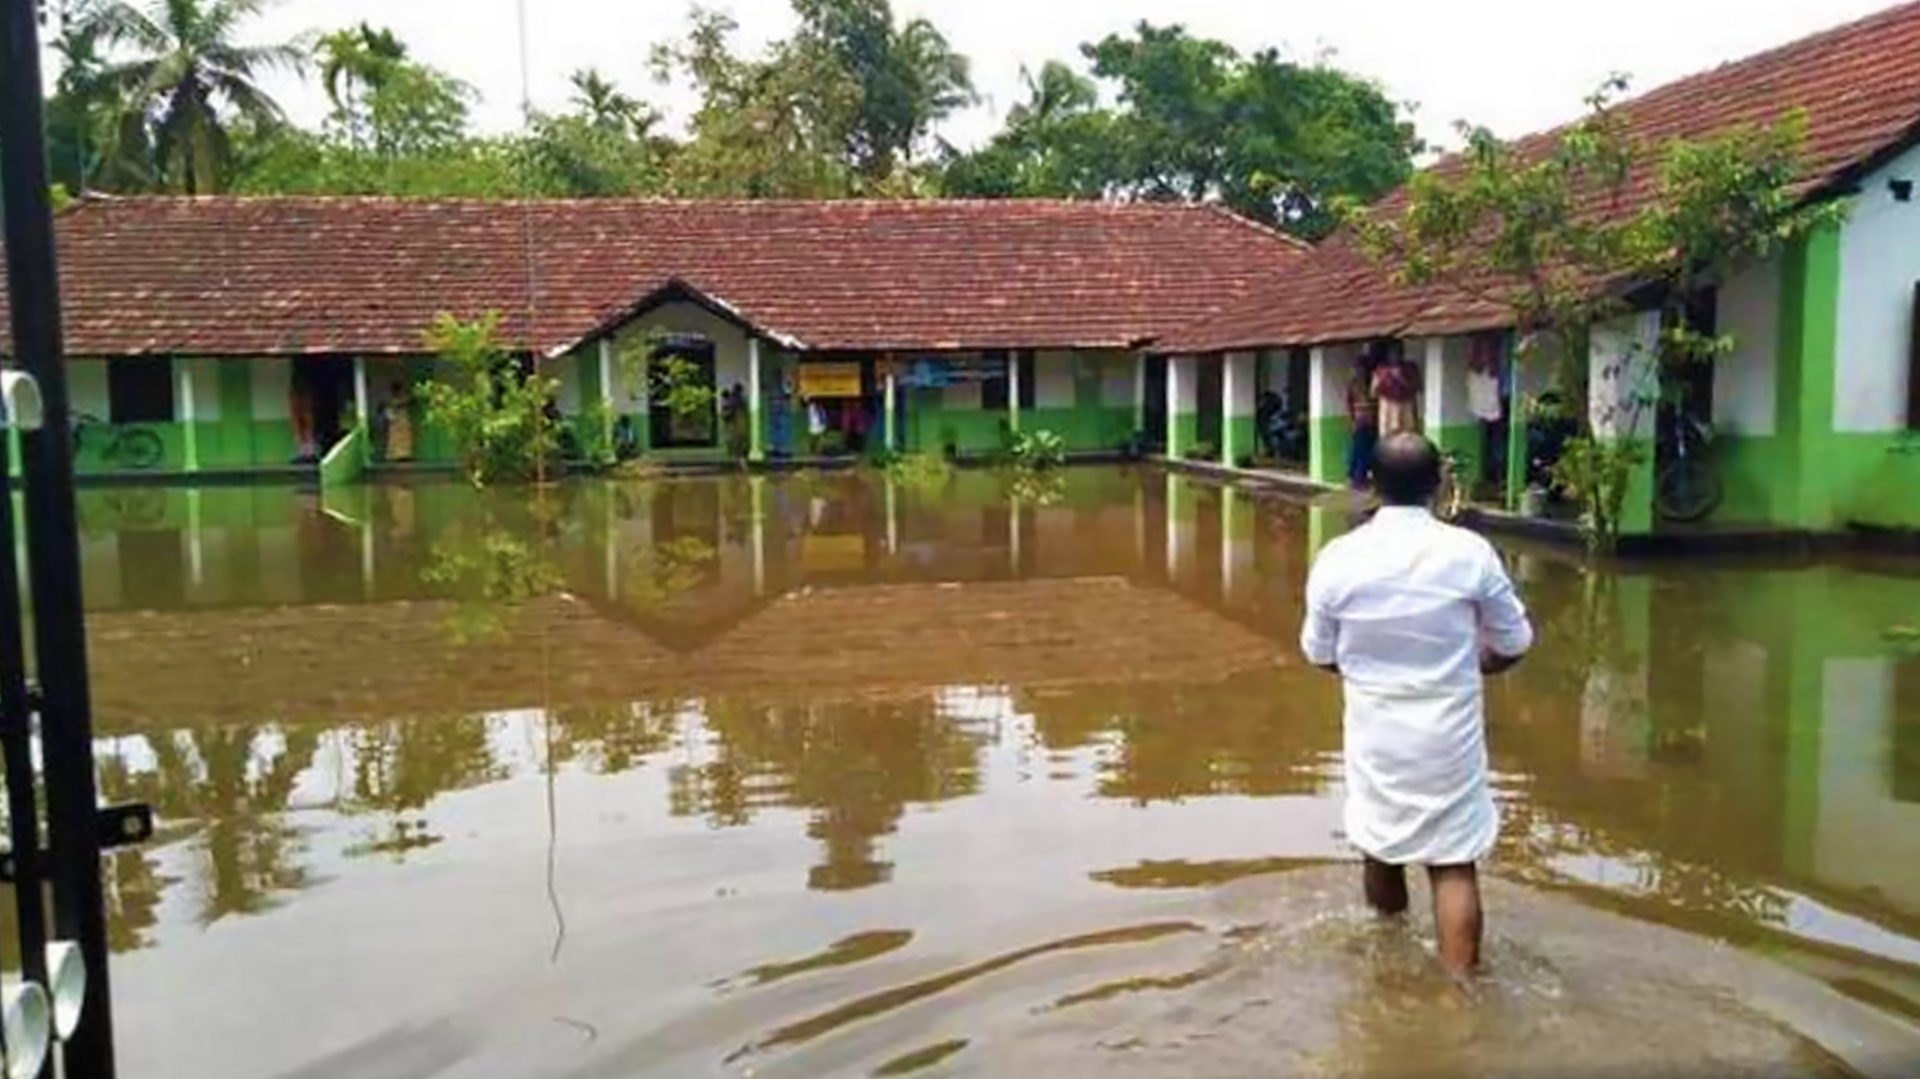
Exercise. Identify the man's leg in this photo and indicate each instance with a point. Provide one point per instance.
(1456, 915)
(1386, 887)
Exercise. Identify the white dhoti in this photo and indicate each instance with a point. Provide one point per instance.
(1416, 774)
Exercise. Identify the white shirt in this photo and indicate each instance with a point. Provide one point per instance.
(1403, 607)
(1483, 395)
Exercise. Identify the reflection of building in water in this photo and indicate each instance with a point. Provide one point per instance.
(1759, 722)
(810, 623)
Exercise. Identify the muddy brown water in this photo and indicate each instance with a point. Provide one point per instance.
(824, 775)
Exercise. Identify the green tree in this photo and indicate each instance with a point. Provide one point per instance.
(1054, 144)
(189, 79)
(908, 78)
(1193, 120)
(769, 127)
(353, 63)
(93, 141)
(1585, 228)
(501, 418)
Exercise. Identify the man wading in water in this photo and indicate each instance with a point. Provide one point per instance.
(1412, 614)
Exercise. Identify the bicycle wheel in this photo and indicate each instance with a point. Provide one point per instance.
(139, 449)
(1688, 490)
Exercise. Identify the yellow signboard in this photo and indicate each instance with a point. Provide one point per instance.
(829, 380)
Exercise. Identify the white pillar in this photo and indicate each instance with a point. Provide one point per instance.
(360, 390)
(756, 438)
(893, 516)
(1330, 366)
(1443, 387)
(1013, 390)
(1180, 405)
(889, 395)
(607, 396)
(183, 394)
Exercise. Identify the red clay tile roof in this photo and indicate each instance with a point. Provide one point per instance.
(233, 276)
(1859, 85)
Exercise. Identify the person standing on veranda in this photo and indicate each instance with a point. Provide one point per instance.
(1412, 614)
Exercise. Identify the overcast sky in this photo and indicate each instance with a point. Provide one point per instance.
(1515, 65)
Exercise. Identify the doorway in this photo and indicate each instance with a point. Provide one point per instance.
(1154, 426)
(321, 405)
(682, 362)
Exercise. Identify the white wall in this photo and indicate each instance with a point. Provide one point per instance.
(567, 370)
(729, 344)
(1746, 382)
(1443, 380)
(1236, 385)
(206, 388)
(1879, 264)
(1053, 382)
(272, 380)
(1620, 365)
(1332, 369)
(87, 387)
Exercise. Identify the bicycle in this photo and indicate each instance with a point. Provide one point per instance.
(136, 448)
(1687, 487)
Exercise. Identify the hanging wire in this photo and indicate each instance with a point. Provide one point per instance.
(541, 522)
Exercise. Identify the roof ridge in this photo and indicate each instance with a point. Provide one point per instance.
(1096, 205)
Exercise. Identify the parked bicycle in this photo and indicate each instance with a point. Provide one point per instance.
(1686, 484)
(127, 445)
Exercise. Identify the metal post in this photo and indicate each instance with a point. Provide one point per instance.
(16, 741)
(60, 642)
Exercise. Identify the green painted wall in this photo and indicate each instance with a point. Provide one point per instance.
(1328, 438)
(1751, 469)
(1464, 439)
(1809, 321)
(1238, 440)
(1877, 479)
(1183, 430)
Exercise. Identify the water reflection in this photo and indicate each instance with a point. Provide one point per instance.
(309, 690)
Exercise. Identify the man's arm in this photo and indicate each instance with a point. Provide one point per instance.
(1505, 632)
(1319, 631)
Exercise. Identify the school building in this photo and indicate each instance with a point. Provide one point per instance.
(212, 335)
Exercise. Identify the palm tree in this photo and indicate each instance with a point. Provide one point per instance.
(361, 57)
(604, 106)
(190, 78)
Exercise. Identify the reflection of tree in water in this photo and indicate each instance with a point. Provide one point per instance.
(231, 787)
(399, 767)
(613, 739)
(651, 576)
(858, 765)
(1251, 734)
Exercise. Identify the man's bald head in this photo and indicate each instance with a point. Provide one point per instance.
(1406, 469)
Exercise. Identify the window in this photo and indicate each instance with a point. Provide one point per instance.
(993, 390)
(140, 391)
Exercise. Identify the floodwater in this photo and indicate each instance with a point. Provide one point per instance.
(829, 776)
